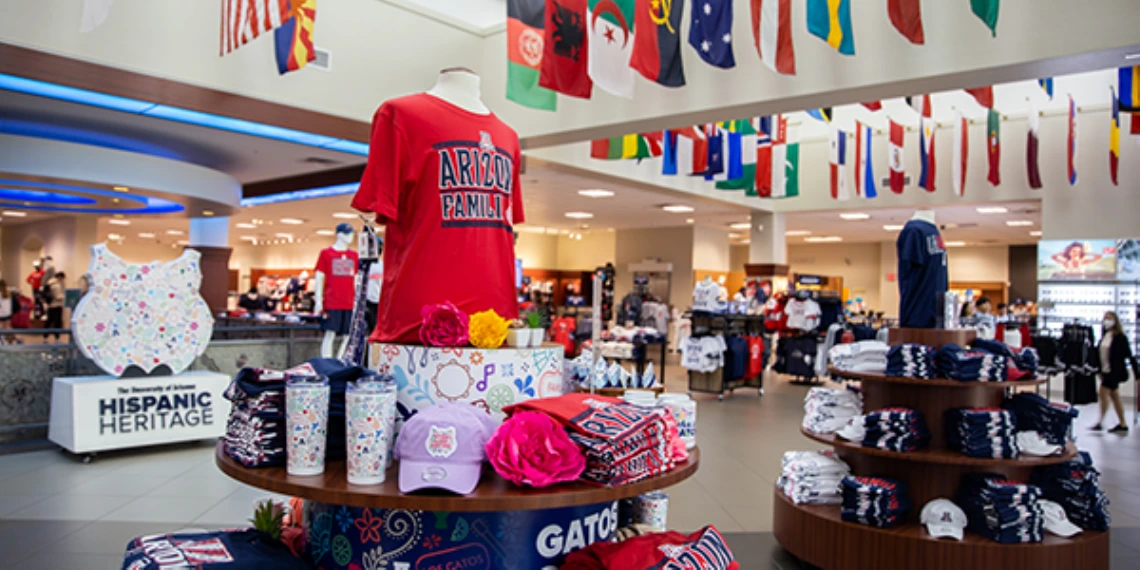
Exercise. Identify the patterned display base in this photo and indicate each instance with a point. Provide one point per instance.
(374, 539)
(489, 379)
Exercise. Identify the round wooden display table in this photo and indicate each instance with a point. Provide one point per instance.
(816, 534)
(619, 392)
(499, 525)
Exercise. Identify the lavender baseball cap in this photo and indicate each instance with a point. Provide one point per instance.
(442, 447)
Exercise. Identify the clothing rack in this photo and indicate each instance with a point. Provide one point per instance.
(710, 324)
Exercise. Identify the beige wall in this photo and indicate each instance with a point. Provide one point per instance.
(710, 249)
(737, 257)
(537, 251)
(979, 263)
(594, 250)
(670, 245)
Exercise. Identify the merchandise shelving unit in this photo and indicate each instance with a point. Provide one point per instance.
(709, 324)
(817, 534)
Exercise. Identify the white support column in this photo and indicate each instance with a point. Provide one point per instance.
(767, 241)
(210, 232)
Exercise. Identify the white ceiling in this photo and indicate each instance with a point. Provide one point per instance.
(480, 17)
(960, 223)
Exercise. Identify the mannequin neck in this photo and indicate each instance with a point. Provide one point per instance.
(924, 216)
(460, 88)
(341, 243)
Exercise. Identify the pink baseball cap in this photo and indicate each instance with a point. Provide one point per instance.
(442, 447)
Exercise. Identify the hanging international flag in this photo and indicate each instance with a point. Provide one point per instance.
(895, 157)
(1046, 86)
(926, 177)
(746, 178)
(1114, 140)
(830, 20)
(906, 15)
(657, 44)
(710, 32)
(685, 152)
(1129, 90)
(734, 161)
(611, 36)
(864, 166)
(95, 12)
(993, 146)
(987, 11)
(643, 145)
(839, 164)
(716, 151)
(244, 20)
(525, 22)
(921, 105)
(983, 95)
(294, 39)
(772, 34)
(961, 153)
(764, 138)
(874, 106)
(785, 165)
(1032, 145)
(1072, 147)
(565, 49)
(820, 114)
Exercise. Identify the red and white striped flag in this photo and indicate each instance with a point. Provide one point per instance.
(895, 157)
(244, 20)
(772, 34)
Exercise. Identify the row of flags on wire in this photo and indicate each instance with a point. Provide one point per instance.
(571, 46)
(759, 156)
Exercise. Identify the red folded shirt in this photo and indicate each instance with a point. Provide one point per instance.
(702, 550)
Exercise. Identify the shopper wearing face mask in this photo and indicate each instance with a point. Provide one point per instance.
(1115, 358)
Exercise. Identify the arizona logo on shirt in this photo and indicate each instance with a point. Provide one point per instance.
(475, 183)
(935, 245)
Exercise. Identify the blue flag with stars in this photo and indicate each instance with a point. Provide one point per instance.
(711, 32)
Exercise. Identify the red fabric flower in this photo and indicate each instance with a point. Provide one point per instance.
(443, 325)
(531, 449)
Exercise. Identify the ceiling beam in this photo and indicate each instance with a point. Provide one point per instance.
(343, 175)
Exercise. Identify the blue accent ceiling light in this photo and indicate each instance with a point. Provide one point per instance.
(15, 195)
(41, 197)
(324, 192)
(134, 106)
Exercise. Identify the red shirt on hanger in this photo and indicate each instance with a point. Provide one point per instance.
(445, 183)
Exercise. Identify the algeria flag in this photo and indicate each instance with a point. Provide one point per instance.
(609, 24)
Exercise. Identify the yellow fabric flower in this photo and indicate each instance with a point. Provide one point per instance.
(488, 329)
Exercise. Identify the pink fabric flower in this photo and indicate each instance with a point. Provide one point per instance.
(531, 449)
(443, 325)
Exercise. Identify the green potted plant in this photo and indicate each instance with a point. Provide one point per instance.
(534, 325)
(518, 336)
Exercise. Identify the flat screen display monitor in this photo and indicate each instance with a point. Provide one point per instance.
(1076, 260)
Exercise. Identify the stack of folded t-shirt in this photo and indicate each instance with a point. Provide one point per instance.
(1075, 485)
(705, 549)
(1002, 510)
(812, 477)
(953, 362)
(895, 429)
(1022, 362)
(623, 443)
(874, 501)
(862, 356)
(827, 410)
(982, 432)
(910, 360)
(255, 431)
(1053, 420)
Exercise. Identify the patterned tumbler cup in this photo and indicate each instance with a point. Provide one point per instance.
(306, 424)
(371, 417)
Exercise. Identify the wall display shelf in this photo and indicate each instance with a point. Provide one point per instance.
(817, 535)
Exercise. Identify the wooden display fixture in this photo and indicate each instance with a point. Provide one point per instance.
(493, 493)
(817, 535)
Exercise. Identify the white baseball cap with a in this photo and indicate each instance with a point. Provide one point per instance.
(1032, 443)
(944, 519)
(1056, 521)
(854, 430)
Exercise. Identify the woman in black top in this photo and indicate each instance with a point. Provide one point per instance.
(1115, 357)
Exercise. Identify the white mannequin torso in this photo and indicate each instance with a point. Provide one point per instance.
(460, 87)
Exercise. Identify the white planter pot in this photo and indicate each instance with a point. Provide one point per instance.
(518, 338)
(537, 336)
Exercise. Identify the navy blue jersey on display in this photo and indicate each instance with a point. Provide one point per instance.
(922, 274)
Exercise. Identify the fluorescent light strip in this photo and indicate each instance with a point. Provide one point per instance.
(677, 208)
(955, 244)
(992, 210)
(174, 232)
(579, 215)
(326, 232)
(1035, 233)
(186, 116)
(740, 226)
(118, 222)
(855, 216)
(291, 221)
(595, 193)
(892, 227)
(146, 235)
(1018, 223)
(823, 239)
(345, 216)
(15, 214)
(797, 233)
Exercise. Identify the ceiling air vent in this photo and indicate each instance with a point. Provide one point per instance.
(324, 59)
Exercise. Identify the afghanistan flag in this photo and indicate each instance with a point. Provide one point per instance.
(294, 39)
(657, 45)
(993, 144)
(565, 49)
(525, 21)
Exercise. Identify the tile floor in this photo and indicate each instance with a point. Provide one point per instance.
(58, 513)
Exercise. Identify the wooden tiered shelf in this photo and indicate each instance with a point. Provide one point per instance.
(817, 535)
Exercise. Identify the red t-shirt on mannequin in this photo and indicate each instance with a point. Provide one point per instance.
(339, 268)
(445, 183)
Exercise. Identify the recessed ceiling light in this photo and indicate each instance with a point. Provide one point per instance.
(207, 213)
(146, 235)
(326, 232)
(797, 233)
(183, 242)
(249, 238)
(1018, 223)
(733, 236)
(855, 216)
(741, 225)
(823, 239)
(955, 243)
(892, 227)
(677, 208)
(690, 221)
(174, 232)
(121, 189)
(292, 221)
(992, 210)
(595, 193)
(245, 226)
(579, 215)
(114, 237)
(15, 214)
(118, 222)
(345, 215)
(1035, 233)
